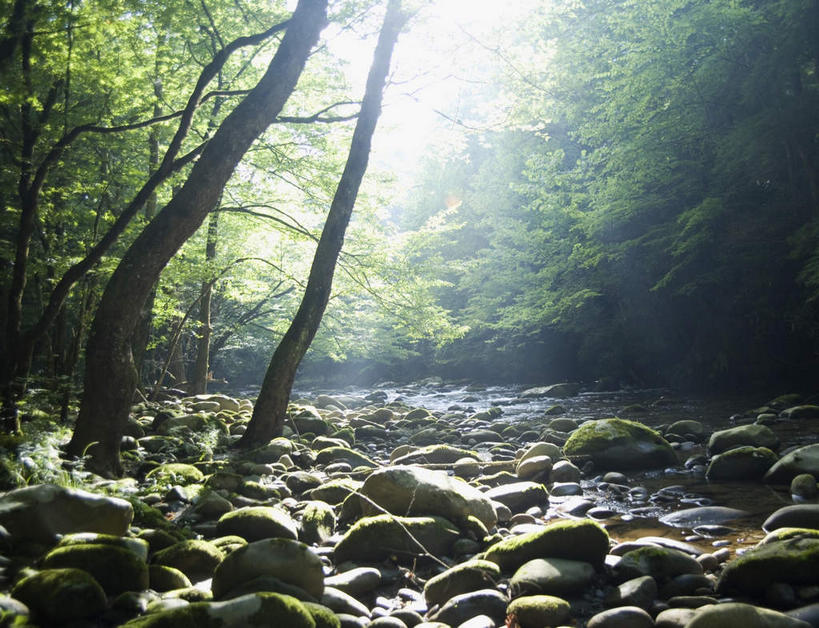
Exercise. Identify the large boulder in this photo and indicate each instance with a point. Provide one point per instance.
(581, 540)
(802, 460)
(745, 615)
(116, 569)
(619, 444)
(289, 561)
(384, 536)
(796, 516)
(416, 491)
(794, 561)
(40, 513)
(753, 435)
(557, 391)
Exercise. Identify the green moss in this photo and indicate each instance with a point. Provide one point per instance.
(115, 568)
(323, 616)
(794, 561)
(620, 444)
(435, 454)
(344, 454)
(196, 559)
(539, 610)
(146, 516)
(61, 595)
(472, 575)
(176, 473)
(576, 540)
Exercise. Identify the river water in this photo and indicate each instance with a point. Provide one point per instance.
(636, 509)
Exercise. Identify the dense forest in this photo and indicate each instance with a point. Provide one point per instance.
(610, 191)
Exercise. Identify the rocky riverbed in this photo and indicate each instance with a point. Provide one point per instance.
(432, 506)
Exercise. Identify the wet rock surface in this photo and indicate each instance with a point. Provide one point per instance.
(432, 506)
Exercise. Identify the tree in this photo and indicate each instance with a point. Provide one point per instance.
(110, 377)
(271, 406)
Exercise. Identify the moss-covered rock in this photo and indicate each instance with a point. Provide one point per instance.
(794, 561)
(802, 460)
(745, 463)
(551, 576)
(535, 611)
(753, 435)
(176, 473)
(57, 596)
(254, 611)
(384, 536)
(289, 561)
(434, 454)
(271, 452)
(164, 578)
(745, 615)
(115, 568)
(254, 523)
(619, 444)
(471, 575)
(344, 454)
(137, 546)
(581, 540)
(323, 616)
(318, 522)
(196, 559)
(661, 563)
(518, 496)
(335, 491)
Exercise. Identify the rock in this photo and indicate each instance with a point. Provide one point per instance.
(341, 602)
(252, 611)
(318, 522)
(519, 496)
(434, 454)
(289, 561)
(56, 596)
(674, 618)
(196, 559)
(335, 491)
(471, 575)
(551, 576)
(542, 449)
(794, 561)
(686, 427)
(164, 578)
(254, 523)
(557, 391)
(797, 516)
(534, 466)
(355, 581)
(41, 512)
(619, 445)
(137, 546)
(744, 463)
(416, 491)
(662, 563)
(115, 568)
(702, 515)
(383, 536)
(564, 471)
(323, 616)
(802, 460)
(300, 481)
(535, 611)
(175, 473)
(743, 435)
(463, 607)
(804, 486)
(210, 505)
(744, 615)
(581, 540)
(344, 454)
(622, 617)
(387, 622)
(801, 412)
(640, 592)
(271, 452)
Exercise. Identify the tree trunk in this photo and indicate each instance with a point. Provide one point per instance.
(110, 376)
(271, 406)
(199, 380)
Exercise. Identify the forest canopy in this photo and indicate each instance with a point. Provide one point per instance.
(593, 190)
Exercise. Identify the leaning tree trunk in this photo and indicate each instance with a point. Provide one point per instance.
(271, 406)
(110, 376)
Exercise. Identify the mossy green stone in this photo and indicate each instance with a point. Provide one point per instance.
(794, 561)
(582, 540)
(323, 616)
(115, 568)
(254, 523)
(384, 536)
(196, 559)
(137, 546)
(318, 522)
(177, 473)
(344, 454)
(469, 576)
(253, 611)
(60, 595)
(619, 444)
(536, 611)
(434, 454)
(164, 578)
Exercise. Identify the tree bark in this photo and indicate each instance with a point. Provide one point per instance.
(199, 380)
(110, 376)
(271, 406)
